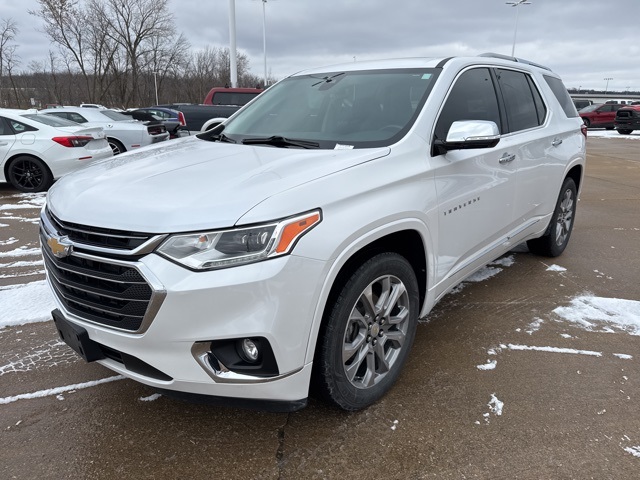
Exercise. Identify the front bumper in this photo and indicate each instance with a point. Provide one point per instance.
(627, 125)
(274, 300)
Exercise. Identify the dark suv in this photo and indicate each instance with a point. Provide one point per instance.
(627, 119)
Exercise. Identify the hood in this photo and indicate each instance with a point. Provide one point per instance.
(190, 184)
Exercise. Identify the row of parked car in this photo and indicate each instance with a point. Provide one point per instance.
(39, 146)
(624, 118)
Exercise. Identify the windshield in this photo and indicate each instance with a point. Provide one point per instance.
(51, 120)
(335, 109)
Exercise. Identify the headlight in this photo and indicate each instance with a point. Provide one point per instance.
(229, 248)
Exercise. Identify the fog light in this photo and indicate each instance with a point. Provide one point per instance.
(250, 350)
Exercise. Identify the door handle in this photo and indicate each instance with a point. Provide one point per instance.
(507, 158)
(2, 144)
(556, 142)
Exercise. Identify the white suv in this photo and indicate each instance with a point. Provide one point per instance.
(300, 242)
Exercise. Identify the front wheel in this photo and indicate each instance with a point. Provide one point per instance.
(29, 174)
(556, 238)
(368, 332)
(624, 131)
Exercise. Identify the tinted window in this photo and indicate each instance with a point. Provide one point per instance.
(51, 121)
(518, 100)
(232, 98)
(20, 127)
(541, 108)
(117, 116)
(4, 128)
(473, 97)
(561, 94)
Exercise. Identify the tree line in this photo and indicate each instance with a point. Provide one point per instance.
(117, 53)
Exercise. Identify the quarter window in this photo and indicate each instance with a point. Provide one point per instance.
(561, 94)
(473, 97)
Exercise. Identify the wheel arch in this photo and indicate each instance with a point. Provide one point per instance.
(409, 243)
(576, 173)
(7, 162)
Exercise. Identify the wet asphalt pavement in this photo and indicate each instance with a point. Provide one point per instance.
(543, 413)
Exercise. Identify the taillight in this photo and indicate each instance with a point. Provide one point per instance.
(72, 141)
(583, 129)
(183, 122)
(156, 129)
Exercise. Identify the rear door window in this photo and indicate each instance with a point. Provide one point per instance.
(523, 109)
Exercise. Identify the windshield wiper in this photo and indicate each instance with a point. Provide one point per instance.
(278, 141)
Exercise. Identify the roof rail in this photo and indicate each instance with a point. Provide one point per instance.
(513, 59)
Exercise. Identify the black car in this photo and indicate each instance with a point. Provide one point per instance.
(627, 119)
(173, 120)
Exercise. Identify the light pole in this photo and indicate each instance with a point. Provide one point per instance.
(607, 87)
(155, 81)
(264, 39)
(515, 30)
(232, 44)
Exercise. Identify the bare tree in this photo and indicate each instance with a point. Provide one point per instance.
(8, 59)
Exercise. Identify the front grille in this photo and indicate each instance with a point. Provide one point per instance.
(97, 276)
(98, 237)
(98, 290)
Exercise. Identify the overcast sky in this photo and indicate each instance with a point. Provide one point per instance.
(585, 41)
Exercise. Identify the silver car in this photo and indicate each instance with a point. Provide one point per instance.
(123, 133)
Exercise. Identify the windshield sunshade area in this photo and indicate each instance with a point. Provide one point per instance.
(334, 110)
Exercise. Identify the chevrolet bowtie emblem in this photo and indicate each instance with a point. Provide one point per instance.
(60, 246)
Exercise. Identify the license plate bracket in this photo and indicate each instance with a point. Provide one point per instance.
(77, 338)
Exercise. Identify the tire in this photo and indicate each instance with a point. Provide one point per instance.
(556, 238)
(624, 131)
(363, 346)
(586, 122)
(29, 174)
(116, 146)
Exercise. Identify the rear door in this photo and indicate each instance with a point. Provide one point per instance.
(475, 188)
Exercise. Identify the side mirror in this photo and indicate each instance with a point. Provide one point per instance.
(465, 134)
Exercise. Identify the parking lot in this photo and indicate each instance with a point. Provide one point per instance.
(530, 369)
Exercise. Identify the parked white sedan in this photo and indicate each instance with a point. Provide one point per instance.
(123, 133)
(37, 149)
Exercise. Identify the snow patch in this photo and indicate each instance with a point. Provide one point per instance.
(534, 326)
(58, 390)
(27, 303)
(552, 350)
(556, 268)
(586, 311)
(495, 405)
(623, 356)
(635, 451)
(490, 365)
(21, 252)
(150, 398)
